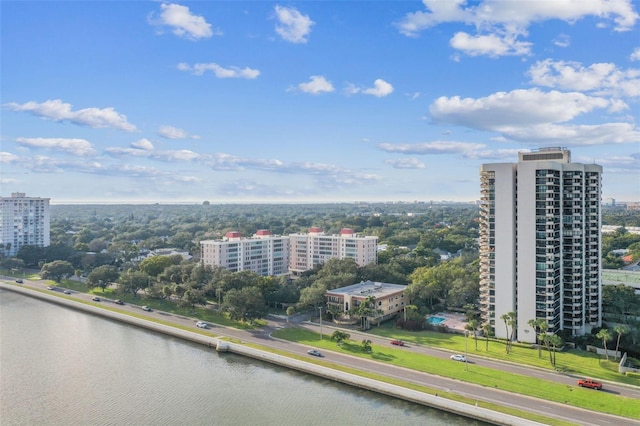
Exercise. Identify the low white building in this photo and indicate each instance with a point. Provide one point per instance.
(390, 299)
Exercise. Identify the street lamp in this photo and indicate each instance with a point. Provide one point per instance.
(466, 351)
(320, 322)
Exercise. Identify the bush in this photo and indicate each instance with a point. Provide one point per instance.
(632, 374)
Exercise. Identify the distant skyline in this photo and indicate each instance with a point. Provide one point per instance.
(310, 101)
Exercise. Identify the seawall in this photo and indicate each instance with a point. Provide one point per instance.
(455, 407)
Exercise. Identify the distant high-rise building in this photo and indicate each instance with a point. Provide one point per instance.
(263, 253)
(540, 243)
(24, 221)
(315, 247)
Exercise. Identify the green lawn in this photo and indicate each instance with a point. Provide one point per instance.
(570, 395)
(576, 362)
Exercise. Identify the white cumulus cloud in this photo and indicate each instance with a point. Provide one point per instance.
(219, 71)
(292, 26)
(57, 110)
(431, 148)
(143, 143)
(317, 84)
(380, 89)
(7, 157)
(182, 22)
(635, 55)
(600, 78)
(171, 132)
(500, 22)
(490, 45)
(406, 163)
(79, 147)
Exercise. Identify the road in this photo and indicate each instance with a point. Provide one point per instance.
(263, 336)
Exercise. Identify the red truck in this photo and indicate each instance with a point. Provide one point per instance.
(588, 383)
(397, 342)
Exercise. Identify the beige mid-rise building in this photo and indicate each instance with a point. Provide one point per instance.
(263, 253)
(316, 247)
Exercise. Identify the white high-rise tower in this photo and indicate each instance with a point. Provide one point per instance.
(24, 221)
(540, 243)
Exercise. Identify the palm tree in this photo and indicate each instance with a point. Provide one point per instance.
(620, 330)
(543, 326)
(505, 318)
(366, 345)
(605, 335)
(555, 341)
(546, 340)
(340, 336)
(486, 331)
(472, 326)
(513, 322)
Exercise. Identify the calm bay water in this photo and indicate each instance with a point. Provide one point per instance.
(63, 367)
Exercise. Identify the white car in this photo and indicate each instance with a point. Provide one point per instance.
(146, 308)
(202, 324)
(458, 357)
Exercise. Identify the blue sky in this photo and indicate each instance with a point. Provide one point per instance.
(310, 101)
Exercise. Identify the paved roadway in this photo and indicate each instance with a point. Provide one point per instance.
(547, 408)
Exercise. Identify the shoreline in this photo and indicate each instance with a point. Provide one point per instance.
(222, 345)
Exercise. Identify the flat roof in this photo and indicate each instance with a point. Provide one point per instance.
(369, 288)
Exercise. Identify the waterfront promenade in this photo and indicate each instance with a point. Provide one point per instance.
(262, 337)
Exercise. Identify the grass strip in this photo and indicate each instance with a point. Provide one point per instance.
(523, 385)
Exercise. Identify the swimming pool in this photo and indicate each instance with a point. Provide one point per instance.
(435, 320)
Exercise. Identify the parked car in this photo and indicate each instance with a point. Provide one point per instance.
(315, 352)
(19, 281)
(67, 292)
(589, 383)
(458, 357)
(146, 308)
(397, 342)
(96, 299)
(202, 324)
(118, 302)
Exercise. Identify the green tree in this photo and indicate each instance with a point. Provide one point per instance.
(555, 341)
(102, 276)
(290, 311)
(155, 265)
(194, 297)
(486, 332)
(472, 326)
(57, 270)
(11, 263)
(605, 335)
(366, 345)
(620, 330)
(244, 304)
(167, 292)
(506, 318)
(313, 296)
(340, 336)
(537, 325)
(133, 281)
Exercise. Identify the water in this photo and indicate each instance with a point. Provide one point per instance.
(435, 320)
(63, 367)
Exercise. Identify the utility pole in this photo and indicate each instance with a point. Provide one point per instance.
(320, 322)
